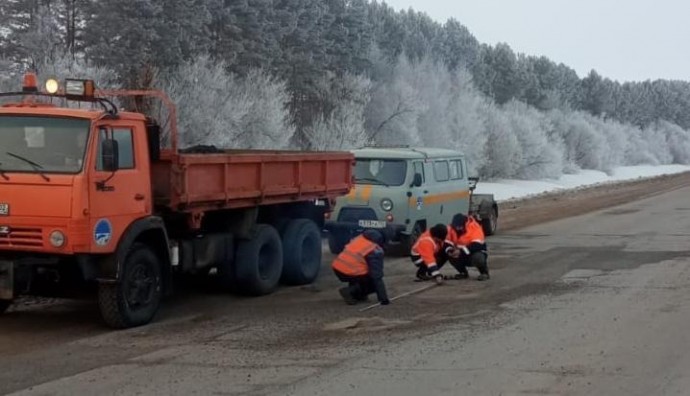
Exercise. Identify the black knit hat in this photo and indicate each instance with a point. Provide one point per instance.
(439, 231)
(458, 222)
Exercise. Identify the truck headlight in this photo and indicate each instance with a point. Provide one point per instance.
(57, 239)
(386, 204)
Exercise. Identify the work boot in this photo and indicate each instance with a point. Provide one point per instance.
(422, 275)
(460, 276)
(483, 277)
(347, 296)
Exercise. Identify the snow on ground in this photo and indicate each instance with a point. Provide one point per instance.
(504, 190)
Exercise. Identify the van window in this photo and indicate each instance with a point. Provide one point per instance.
(441, 171)
(380, 171)
(456, 170)
(419, 168)
(461, 172)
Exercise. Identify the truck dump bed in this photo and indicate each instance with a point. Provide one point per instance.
(245, 178)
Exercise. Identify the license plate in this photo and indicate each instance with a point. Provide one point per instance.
(372, 223)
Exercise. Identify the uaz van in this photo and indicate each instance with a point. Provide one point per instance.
(402, 191)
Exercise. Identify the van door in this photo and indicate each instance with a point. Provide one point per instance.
(438, 199)
(459, 197)
(416, 207)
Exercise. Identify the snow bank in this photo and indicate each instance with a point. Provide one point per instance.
(504, 189)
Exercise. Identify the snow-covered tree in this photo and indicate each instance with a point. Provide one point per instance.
(222, 109)
(342, 127)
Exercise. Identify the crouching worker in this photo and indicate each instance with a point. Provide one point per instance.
(427, 251)
(361, 265)
(465, 247)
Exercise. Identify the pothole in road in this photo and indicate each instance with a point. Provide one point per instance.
(580, 275)
(365, 324)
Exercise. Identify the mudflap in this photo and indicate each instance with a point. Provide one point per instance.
(6, 280)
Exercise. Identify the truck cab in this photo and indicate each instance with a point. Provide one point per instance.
(402, 191)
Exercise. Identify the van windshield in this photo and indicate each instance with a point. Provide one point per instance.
(380, 171)
(42, 144)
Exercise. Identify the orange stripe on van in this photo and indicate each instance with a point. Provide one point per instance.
(366, 193)
(440, 198)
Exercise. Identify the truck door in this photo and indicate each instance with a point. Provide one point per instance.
(118, 198)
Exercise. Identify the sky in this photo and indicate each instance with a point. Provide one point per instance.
(625, 40)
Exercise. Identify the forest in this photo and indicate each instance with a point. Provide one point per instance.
(342, 74)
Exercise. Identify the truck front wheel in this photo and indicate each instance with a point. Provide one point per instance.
(4, 304)
(259, 262)
(134, 300)
(301, 252)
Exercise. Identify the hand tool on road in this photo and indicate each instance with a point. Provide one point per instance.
(421, 289)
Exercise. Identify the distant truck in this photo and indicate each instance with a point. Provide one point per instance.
(89, 199)
(402, 191)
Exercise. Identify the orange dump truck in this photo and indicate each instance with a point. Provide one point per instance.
(90, 200)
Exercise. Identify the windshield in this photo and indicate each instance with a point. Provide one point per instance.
(42, 144)
(380, 171)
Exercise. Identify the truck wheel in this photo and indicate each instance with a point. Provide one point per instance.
(301, 252)
(134, 300)
(489, 224)
(259, 262)
(4, 304)
(336, 243)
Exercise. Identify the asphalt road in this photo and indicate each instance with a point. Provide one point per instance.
(595, 304)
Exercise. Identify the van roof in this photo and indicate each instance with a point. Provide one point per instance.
(405, 152)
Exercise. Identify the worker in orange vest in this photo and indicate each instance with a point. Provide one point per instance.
(426, 252)
(465, 246)
(361, 265)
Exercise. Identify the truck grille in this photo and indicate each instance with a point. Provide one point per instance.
(22, 237)
(353, 215)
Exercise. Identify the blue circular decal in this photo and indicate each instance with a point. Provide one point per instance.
(102, 232)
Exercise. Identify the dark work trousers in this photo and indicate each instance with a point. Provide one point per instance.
(477, 259)
(360, 286)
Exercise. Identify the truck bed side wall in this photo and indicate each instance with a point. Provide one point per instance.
(245, 179)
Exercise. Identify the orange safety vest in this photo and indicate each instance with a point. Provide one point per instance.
(426, 247)
(473, 233)
(352, 260)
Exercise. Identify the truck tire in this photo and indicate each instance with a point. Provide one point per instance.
(4, 304)
(336, 243)
(135, 298)
(490, 223)
(301, 252)
(259, 262)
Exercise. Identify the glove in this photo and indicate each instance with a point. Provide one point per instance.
(455, 253)
(385, 302)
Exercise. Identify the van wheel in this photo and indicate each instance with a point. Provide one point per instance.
(134, 300)
(4, 304)
(259, 262)
(489, 224)
(417, 231)
(336, 244)
(301, 252)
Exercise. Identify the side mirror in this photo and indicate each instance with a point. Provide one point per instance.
(417, 180)
(473, 182)
(110, 155)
